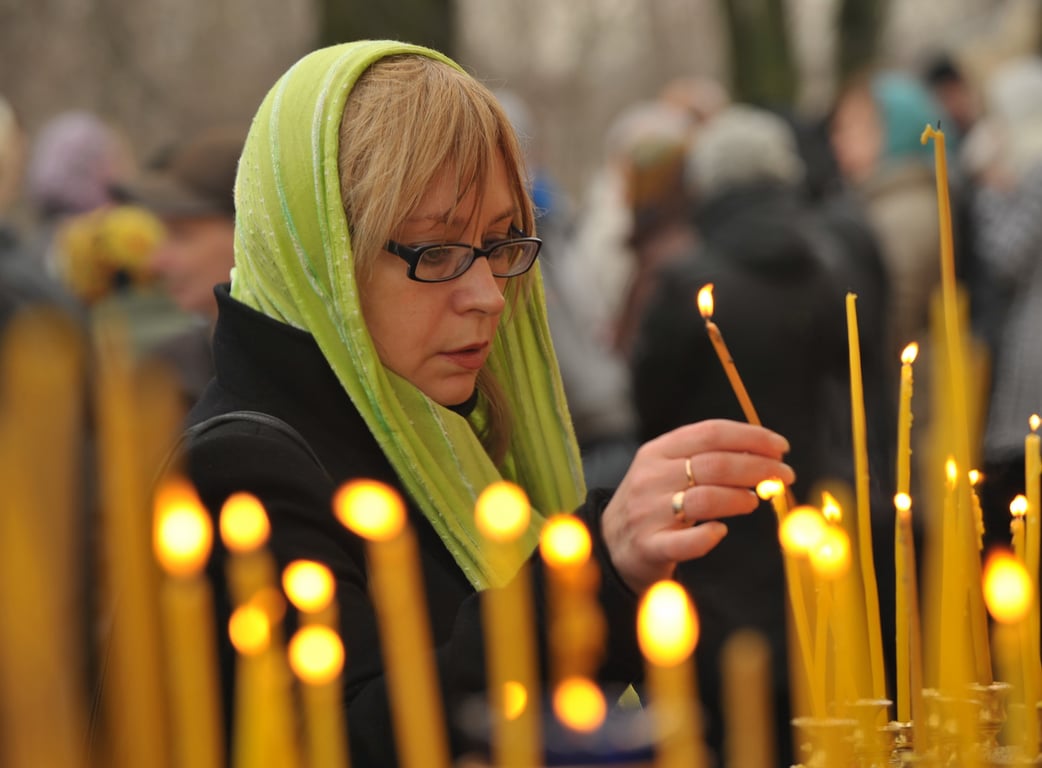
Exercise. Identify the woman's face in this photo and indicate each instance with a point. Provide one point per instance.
(857, 135)
(438, 335)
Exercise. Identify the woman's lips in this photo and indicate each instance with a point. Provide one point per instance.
(471, 358)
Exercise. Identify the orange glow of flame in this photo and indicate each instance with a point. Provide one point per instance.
(309, 585)
(909, 353)
(316, 654)
(502, 512)
(564, 542)
(951, 471)
(801, 530)
(902, 502)
(975, 476)
(370, 509)
(1034, 422)
(1008, 592)
(249, 629)
(183, 533)
(579, 704)
(1019, 506)
(667, 625)
(705, 300)
(244, 523)
(515, 699)
(831, 557)
(769, 488)
(830, 508)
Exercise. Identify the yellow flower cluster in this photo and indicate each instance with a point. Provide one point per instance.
(97, 248)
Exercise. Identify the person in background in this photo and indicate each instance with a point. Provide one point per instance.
(192, 192)
(782, 315)
(386, 309)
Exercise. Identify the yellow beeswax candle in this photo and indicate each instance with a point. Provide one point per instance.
(1018, 509)
(375, 512)
(705, 306)
(316, 656)
(864, 509)
(799, 533)
(183, 539)
(503, 515)
(1032, 534)
(909, 634)
(576, 625)
(904, 420)
(747, 694)
(667, 630)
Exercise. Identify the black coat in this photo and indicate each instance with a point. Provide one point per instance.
(263, 365)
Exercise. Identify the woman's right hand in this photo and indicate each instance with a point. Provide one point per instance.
(667, 508)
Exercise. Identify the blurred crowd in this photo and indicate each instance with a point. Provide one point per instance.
(783, 215)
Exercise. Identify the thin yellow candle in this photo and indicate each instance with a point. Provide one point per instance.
(311, 589)
(503, 515)
(1018, 509)
(799, 533)
(667, 631)
(909, 633)
(1032, 534)
(952, 636)
(1009, 593)
(904, 420)
(830, 560)
(183, 540)
(375, 512)
(265, 735)
(864, 509)
(316, 656)
(576, 625)
(705, 307)
(748, 708)
(579, 703)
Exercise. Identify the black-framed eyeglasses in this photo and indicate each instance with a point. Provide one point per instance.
(447, 261)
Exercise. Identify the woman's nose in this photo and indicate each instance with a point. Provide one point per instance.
(480, 290)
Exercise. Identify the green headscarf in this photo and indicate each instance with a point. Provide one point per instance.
(294, 263)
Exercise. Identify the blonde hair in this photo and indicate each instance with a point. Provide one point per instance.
(408, 119)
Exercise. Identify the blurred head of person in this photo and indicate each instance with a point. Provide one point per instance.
(74, 162)
(878, 122)
(12, 151)
(949, 85)
(192, 192)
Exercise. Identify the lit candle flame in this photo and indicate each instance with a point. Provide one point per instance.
(515, 699)
(1019, 506)
(316, 654)
(667, 626)
(830, 508)
(309, 585)
(705, 300)
(769, 488)
(249, 629)
(579, 704)
(902, 502)
(370, 509)
(831, 557)
(975, 476)
(951, 471)
(502, 512)
(564, 541)
(801, 530)
(244, 523)
(183, 534)
(909, 353)
(1008, 592)
(1034, 422)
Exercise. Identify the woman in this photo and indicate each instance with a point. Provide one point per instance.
(428, 368)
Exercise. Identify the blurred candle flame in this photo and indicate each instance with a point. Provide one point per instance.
(769, 488)
(705, 300)
(564, 541)
(902, 502)
(831, 557)
(502, 512)
(244, 523)
(1008, 592)
(909, 353)
(249, 629)
(183, 534)
(830, 508)
(975, 477)
(1034, 422)
(515, 699)
(579, 704)
(370, 509)
(667, 626)
(951, 471)
(316, 654)
(801, 530)
(309, 585)
(1019, 506)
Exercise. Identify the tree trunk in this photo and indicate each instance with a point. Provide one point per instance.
(425, 22)
(762, 67)
(860, 24)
